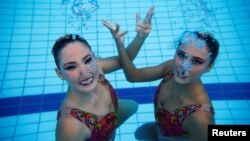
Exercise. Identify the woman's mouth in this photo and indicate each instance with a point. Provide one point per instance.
(182, 74)
(87, 81)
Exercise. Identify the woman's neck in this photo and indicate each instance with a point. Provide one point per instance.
(80, 99)
(188, 88)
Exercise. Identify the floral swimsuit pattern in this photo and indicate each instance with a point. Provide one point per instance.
(170, 123)
(103, 129)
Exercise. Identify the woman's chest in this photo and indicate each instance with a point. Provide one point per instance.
(169, 98)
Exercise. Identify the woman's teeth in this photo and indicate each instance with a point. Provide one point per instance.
(87, 81)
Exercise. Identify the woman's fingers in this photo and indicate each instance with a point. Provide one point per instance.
(149, 15)
(117, 28)
(123, 34)
(137, 18)
(114, 30)
(143, 25)
(108, 25)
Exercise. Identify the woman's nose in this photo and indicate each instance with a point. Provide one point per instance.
(82, 70)
(186, 65)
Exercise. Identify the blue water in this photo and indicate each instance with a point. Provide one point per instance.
(30, 91)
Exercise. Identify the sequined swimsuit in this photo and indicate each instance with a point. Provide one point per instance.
(103, 129)
(170, 123)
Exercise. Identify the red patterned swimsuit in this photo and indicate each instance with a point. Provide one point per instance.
(170, 123)
(103, 129)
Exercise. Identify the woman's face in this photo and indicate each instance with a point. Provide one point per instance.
(190, 62)
(78, 67)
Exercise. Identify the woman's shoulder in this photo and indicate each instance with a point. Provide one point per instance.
(198, 94)
(202, 117)
(197, 124)
(201, 98)
(205, 111)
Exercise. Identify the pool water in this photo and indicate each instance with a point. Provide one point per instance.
(30, 91)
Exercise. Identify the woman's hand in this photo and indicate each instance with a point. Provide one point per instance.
(117, 35)
(144, 27)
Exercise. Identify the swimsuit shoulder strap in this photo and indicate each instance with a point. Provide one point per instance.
(89, 119)
(184, 112)
(114, 97)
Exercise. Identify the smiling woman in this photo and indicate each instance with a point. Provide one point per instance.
(90, 97)
(91, 109)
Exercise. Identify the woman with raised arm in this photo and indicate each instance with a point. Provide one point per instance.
(91, 110)
(183, 109)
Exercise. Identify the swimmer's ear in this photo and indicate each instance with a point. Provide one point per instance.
(59, 73)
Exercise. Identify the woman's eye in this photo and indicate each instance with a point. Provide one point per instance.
(88, 60)
(181, 55)
(197, 62)
(69, 67)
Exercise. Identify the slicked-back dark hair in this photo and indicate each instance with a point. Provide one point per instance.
(63, 41)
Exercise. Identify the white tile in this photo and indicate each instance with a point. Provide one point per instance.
(242, 121)
(238, 104)
(222, 114)
(8, 121)
(26, 129)
(46, 136)
(7, 139)
(31, 137)
(47, 126)
(240, 114)
(145, 108)
(224, 121)
(49, 116)
(146, 117)
(132, 119)
(7, 132)
(117, 137)
(28, 118)
(220, 104)
(128, 137)
(128, 128)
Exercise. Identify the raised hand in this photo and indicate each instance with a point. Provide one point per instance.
(144, 27)
(118, 35)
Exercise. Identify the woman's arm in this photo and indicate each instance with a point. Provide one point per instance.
(197, 125)
(131, 72)
(142, 27)
(139, 75)
(69, 129)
